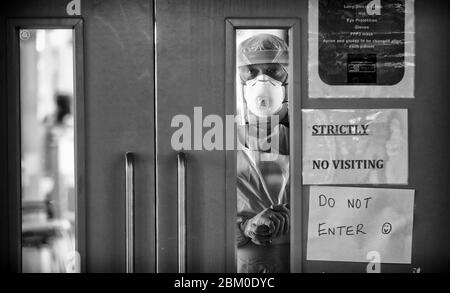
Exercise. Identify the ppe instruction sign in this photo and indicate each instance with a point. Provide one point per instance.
(364, 146)
(346, 224)
(361, 48)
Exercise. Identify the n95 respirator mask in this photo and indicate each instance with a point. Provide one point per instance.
(264, 95)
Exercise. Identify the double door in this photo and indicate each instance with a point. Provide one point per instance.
(137, 65)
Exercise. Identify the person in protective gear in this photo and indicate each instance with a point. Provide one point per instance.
(263, 156)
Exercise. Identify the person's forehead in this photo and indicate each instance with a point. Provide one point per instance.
(263, 65)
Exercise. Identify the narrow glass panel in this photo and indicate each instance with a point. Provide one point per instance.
(263, 211)
(47, 150)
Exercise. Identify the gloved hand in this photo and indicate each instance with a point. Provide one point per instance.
(284, 210)
(268, 224)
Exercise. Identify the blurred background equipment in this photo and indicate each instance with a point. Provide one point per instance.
(47, 150)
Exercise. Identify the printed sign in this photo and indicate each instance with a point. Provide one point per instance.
(355, 146)
(361, 48)
(349, 224)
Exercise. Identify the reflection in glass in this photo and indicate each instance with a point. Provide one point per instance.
(47, 150)
(263, 211)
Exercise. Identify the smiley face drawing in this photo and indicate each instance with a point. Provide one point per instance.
(386, 228)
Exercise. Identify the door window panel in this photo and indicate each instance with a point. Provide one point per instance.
(263, 211)
(47, 150)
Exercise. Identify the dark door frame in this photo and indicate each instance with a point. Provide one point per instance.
(13, 133)
(293, 26)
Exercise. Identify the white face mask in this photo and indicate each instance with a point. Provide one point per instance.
(264, 95)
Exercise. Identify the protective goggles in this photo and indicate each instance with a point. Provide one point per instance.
(274, 70)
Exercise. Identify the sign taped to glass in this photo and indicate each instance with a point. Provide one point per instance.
(361, 48)
(359, 146)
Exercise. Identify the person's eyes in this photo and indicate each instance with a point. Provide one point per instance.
(279, 73)
(273, 70)
(252, 72)
(248, 73)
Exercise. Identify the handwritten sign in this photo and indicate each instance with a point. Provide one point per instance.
(355, 146)
(347, 223)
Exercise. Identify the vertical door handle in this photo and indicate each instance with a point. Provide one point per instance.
(181, 199)
(129, 211)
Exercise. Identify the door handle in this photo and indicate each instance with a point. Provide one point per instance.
(129, 211)
(181, 200)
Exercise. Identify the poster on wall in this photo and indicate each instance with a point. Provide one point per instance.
(360, 224)
(355, 146)
(361, 48)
